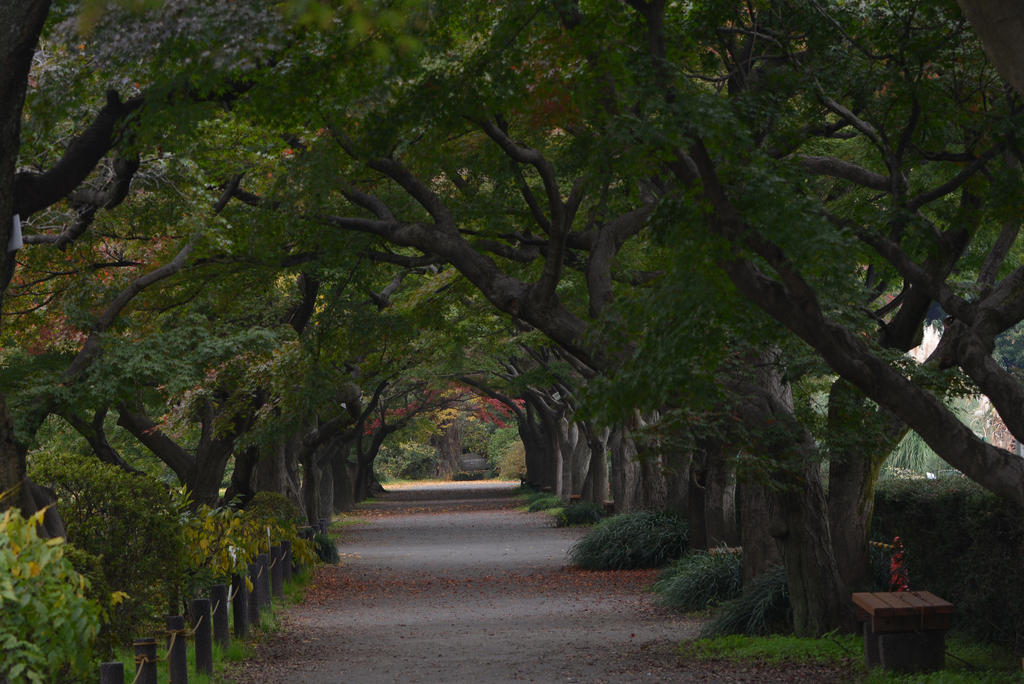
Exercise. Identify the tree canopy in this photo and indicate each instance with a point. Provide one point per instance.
(670, 238)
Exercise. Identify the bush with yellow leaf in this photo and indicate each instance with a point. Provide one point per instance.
(47, 625)
(223, 541)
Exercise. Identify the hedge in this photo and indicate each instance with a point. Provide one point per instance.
(963, 544)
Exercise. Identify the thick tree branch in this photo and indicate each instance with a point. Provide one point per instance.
(91, 349)
(133, 418)
(838, 168)
(36, 191)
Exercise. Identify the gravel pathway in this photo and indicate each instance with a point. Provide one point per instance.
(452, 584)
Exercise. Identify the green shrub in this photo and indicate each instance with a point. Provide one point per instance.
(544, 503)
(132, 522)
(507, 453)
(581, 513)
(48, 624)
(762, 608)
(645, 539)
(406, 461)
(963, 544)
(701, 579)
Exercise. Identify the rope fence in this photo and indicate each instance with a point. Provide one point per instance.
(236, 599)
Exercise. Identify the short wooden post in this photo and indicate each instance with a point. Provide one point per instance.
(145, 660)
(276, 572)
(219, 602)
(177, 658)
(239, 606)
(264, 579)
(202, 635)
(253, 598)
(111, 673)
(323, 523)
(286, 560)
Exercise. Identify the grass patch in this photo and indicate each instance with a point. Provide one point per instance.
(237, 651)
(340, 522)
(776, 649)
(966, 662)
(544, 503)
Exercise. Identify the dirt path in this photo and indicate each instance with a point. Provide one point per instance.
(452, 584)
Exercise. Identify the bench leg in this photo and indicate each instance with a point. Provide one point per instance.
(871, 659)
(912, 651)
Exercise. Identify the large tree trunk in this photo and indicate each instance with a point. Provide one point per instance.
(795, 495)
(533, 444)
(311, 477)
(677, 480)
(816, 591)
(241, 486)
(12, 460)
(1000, 25)
(595, 484)
(626, 486)
(720, 498)
(712, 496)
(860, 438)
(757, 521)
(449, 448)
(325, 460)
(21, 21)
(344, 489)
(580, 459)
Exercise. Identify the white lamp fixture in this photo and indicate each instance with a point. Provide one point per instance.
(15, 242)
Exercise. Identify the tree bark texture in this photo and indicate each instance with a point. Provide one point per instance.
(342, 470)
(757, 521)
(1000, 26)
(21, 22)
(626, 479)
(860, 439)
(595, 484)
(796, 497)
(449, 449)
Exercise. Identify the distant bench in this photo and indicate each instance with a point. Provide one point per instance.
(904, 630)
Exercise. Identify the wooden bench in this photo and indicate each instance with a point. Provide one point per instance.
(904, 630)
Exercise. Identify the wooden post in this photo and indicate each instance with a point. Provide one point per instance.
(177, 658)
(253, 598)
(286, 560)
(145, 660)
(323, 523)
(276, 571)
(219, 601)
(264, 579)
(203, 635)
(239, 607)
(111, 673)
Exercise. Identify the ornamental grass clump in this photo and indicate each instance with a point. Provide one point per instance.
(645, 539)
(701, 579)
(763, 608)
(581, 513)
